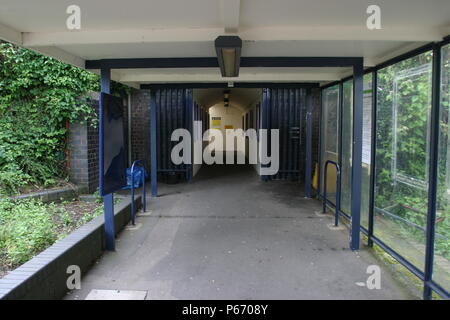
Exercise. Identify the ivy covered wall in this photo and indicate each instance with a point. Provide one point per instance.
(38, 95)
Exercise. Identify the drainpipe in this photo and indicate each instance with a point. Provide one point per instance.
(129, 130)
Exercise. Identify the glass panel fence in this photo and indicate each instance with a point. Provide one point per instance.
(402, 156)
(330, 138)
(441, 273)
(346, 159)
(366, 152)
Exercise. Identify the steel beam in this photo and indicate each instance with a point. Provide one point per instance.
(225, 85)
(373, 147)
(358, 73)
(211, 62)
(264, 123)
(108, 200)
(189, 126)
(433, 172)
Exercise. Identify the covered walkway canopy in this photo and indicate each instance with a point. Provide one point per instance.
(181, 29)
(396, 71)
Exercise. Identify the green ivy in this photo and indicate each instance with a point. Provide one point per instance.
(38, 95)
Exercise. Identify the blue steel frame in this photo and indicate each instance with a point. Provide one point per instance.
(268, 62)
(189, 116)
(355, 222)
(429, 285)
(357, 63)
(433, 172)
(108, 200)
(224, 85)
(211, 62)
(265, 121)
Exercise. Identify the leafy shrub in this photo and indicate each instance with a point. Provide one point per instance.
(37, 96)
(12, 178)
(26, 229)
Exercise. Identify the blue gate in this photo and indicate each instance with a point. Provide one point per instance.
(174, 109)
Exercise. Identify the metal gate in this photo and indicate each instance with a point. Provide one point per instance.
(285, 109)
(174, 110)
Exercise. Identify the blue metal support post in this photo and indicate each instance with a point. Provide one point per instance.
(309, 125)
(358, 78)
(265, 123)
(433, 173)
(190, 127)
(319, 171)
(153, 145)
(108, 200)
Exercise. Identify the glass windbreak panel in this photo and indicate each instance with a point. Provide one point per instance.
(330, 141)
(441, 272)
(346, 160)
(403, 114)
(366, 150)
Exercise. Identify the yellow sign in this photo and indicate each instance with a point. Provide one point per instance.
(229, 126)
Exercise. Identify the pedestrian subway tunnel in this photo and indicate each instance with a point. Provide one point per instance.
(223, 109)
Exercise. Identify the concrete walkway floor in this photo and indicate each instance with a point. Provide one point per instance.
(228, 235)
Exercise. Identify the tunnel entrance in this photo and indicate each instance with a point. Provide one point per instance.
(203, 110)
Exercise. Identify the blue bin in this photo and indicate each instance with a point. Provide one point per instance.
(138, 172)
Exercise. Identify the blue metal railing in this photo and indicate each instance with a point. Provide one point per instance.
(144, 202)
(338, 190)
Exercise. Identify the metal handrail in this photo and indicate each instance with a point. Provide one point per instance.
(338, 190)
(144, 201)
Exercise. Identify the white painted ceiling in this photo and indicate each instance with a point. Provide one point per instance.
(187, 28)
(50, 15)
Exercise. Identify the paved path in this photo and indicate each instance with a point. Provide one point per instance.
(228, 235)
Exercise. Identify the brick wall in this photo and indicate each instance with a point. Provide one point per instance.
(83, 148)
(92, 151)
(140, 126)
(78, 154)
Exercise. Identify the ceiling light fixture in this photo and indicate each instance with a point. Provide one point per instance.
(228, 50)
(226, 98)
